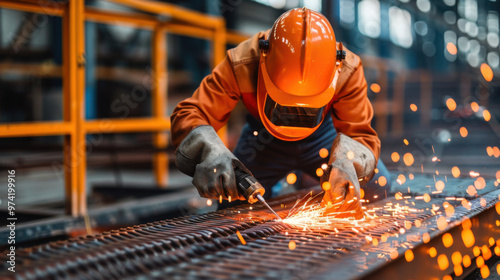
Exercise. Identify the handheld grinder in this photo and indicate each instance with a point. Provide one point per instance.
(251, 189)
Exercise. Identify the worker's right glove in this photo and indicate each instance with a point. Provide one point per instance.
(203, 156)
(350, 163)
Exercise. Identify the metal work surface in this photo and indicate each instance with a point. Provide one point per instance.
(245, 242)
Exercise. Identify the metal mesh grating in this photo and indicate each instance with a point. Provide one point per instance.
(207, 246)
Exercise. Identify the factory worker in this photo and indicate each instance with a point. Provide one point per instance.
(304, 92)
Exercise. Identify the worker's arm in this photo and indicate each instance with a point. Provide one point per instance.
(352, 111)
(354, 152)
(211, 104)
(200, 152)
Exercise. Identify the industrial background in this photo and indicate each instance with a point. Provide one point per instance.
(86, 91)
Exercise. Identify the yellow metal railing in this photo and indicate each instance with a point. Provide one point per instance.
(74, 127)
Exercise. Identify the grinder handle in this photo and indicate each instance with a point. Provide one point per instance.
(247, 185)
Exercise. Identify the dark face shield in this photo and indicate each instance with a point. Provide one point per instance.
(292, 116)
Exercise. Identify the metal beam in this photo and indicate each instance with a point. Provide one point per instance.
(127, 125)
(176, 12)
(35, 129)
(30, 6)
(123, 18)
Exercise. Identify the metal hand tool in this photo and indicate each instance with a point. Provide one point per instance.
(251, 189)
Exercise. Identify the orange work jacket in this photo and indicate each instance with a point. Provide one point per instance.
(235, 78)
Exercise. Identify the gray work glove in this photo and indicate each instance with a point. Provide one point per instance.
(350, 164)
(203, 156)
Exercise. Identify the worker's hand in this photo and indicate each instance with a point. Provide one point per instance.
(203, 156)
(350, 164)
(214, 176)
(342, 194)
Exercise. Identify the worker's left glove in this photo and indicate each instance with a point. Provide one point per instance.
(350, 164)
(203, 156)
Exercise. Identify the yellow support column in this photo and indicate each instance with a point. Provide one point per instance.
(159, 100)
(80, 109)
(73, 81)
(69, 102)
(219, 52)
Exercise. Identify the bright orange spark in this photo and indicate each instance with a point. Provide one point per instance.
(485, 271)
(456, 258)
(394, 254)
(468, 238)
(319, 172)
(480, 183)
(476, 251)
(487, 72)
(451, 48)
(291, 178)
(467, 261)
(450, 210)
(409, 255)
(375, 87)
(496, 151)
(486, 115)
(479, 261)
(474, 106)
(439, 185)
(447, 240)
(323, 153)
(486, 252)
(401, 179)
(471, 190)
(443, 262)
(382, 181)
(413, 107)
(451, 104)
(463, 132)
(395, 157)
(408, 159)
(241, 237)
(442, 223)
(432, 252)
(426, 237)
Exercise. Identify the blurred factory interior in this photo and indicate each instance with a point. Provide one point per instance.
(87, 88)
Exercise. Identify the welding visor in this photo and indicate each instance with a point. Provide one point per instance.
(292, 116)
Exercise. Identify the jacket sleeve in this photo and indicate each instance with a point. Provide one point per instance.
(211, 104)
(352, 112)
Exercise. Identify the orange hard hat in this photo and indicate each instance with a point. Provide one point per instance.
(298, 71)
